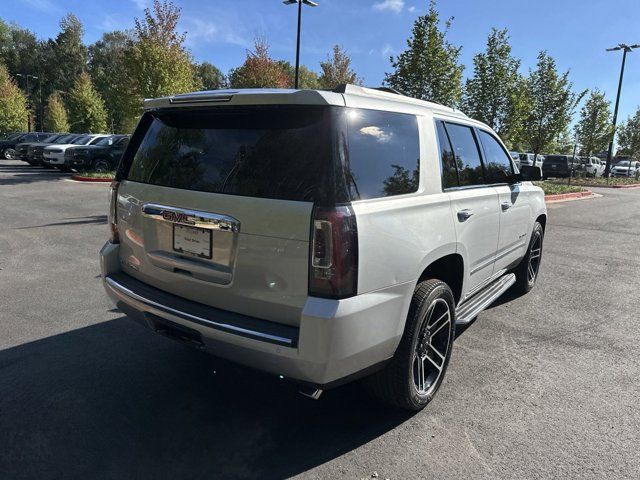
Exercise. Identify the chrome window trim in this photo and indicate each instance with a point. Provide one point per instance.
(192, 218)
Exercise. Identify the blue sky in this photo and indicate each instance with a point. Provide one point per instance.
(575, 32)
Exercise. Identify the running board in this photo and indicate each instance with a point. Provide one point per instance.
(471, 308)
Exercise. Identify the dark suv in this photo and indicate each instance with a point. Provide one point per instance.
(558, 166)
(103, 156)
(8, 145)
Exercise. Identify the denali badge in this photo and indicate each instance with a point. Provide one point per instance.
(177, 217)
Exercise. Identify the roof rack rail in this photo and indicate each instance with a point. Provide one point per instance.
(390, 90)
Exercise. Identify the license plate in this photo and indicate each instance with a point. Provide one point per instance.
(192, 240)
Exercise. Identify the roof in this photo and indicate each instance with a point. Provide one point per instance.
(343, 95)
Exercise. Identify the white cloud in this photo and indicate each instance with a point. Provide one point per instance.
(411, 9)
(387, 51)
(391, 5)
(377, 132)
(42, 5)
(141, 4)
(203, 31)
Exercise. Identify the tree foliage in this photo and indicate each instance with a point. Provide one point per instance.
(593, 130)
(156, 62)
(86, 109)
(629, 137)
(259, 70)
(306, 78)
(495, 94)
(13, 104)
(429, 68)
(65, 57)
(107, 67)
(336, 70)
(210, 76)
(551, 103)
(56, 118)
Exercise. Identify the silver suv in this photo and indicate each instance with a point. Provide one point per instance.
(324, 236)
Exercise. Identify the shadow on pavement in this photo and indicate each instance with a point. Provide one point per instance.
(20, 174)
(115, 401)
(90, 220)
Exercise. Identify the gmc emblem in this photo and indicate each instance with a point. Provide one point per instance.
(177, 217)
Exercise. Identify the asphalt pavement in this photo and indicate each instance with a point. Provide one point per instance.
(541, 386)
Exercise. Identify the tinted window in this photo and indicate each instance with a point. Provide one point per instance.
(270, 152)
(466, 153)
(447, 159)
(496, 160)
(384, 153)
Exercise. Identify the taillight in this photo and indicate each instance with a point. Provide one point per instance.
(333, 271)
(113, 218)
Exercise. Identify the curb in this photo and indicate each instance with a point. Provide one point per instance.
(568, 196)
(80, 178)
(632, 185)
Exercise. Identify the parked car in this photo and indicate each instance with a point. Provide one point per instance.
(593, 166)
(515, 156)
(8, 146)
(558, 166)
(210, 244)
(54, 154)
(527, 159)
(102, 156)
(35, 153)
(22, 149)
(625, 168)
(25, 151)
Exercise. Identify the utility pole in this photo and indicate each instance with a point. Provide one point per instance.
(27, 76)
(299, 2)
(625, 49)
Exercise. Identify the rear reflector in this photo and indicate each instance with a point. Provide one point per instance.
(333, 270)
(113, 217)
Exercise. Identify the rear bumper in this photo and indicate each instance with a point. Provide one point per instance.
(335, 340)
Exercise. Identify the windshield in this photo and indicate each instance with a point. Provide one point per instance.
(62, 139)
(624, 163)
(12, 136)
(82, 140)
(104, 142)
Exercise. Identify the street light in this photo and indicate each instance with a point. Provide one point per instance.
(625, 49)
(299, 2)
(27, 76)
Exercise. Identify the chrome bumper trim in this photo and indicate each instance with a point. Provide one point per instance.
(204, 321)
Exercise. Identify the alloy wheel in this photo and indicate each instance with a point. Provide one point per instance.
(9, 154)
(534, 258)
(431, 349)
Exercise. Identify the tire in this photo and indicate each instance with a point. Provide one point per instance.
(398, 384)
(101, 165)
(9, 154)
(525, 277)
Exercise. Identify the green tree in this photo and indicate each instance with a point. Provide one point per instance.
(551, 104)
(306, 78)
(210, 76)
(336, 70)
(65, 57)
(259, 70)
(494, 94)
(86, 109)
(157, 63)
(629, 137)
(13, 104)
(593, 130)
(429, 68)
(107, 67)
(56, 118)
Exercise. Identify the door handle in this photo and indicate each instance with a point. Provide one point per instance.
(506, 205)
(464, 215)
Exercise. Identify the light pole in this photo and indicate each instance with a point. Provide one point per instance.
(625, 49)
(299, 2)
(27, 76)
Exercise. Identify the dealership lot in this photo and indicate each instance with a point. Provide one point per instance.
(542, 386)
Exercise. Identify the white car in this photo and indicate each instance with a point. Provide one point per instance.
(405, 219)
(625, 169)
(54, 154)
(527, 159)
(593, 166)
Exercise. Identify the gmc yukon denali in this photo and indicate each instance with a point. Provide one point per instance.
(324, 236)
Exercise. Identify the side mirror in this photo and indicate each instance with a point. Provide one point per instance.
(530, 174)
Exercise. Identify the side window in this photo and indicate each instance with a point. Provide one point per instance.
(496, 160)
(384, 153)
(447, 159)
(465, 149)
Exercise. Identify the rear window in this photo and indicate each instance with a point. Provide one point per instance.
(268, 152)
(557, 159)
(324, 155)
